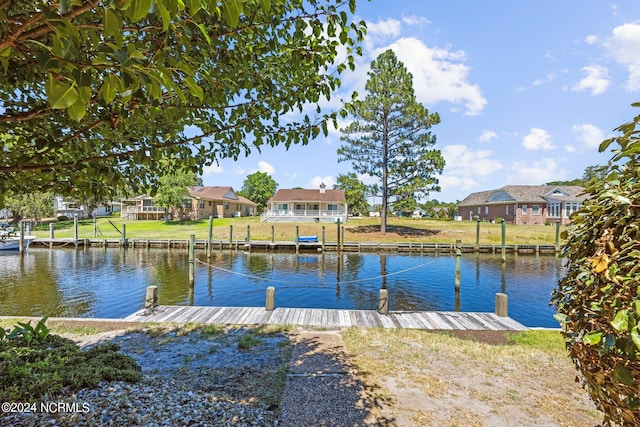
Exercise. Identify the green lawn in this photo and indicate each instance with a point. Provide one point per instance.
(356, 230)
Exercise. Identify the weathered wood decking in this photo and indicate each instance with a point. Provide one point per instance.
(330, 318)
(292, 246)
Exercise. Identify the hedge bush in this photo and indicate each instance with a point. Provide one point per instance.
(35, 364)
(597, 301)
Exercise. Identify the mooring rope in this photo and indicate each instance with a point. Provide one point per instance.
(266, 279)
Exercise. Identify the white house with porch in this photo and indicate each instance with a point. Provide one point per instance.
(305, 205)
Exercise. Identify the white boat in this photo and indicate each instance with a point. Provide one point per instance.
(11, 242)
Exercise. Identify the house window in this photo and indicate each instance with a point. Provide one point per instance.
(535, 209)
(226, 205)
(571, 208)
(479, 211)
(554, 209)
(486, 210)
(332, 207)
(210, 203)
(506, 210)
(283, 206)
(201, 204)
(524, 209)
(299, 207)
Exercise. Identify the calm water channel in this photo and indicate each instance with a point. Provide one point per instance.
(111, 283)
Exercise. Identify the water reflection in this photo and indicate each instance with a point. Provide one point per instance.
(111, 283)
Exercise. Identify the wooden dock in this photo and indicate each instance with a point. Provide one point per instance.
(292, 246)
(328, 318)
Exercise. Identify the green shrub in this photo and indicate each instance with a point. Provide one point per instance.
(34, 363)
(62, 218)
(597, 301)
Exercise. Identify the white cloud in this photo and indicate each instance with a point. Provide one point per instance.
(239, 170)
(463, 161)
(536, 172)
(488, 135)
(463, 184)
(315, 182)
(591, 39)
(537, 139)
(214, 169)
(415, 20)
(596, 81)
(624, 45)
(589, 135)
(266, 167)
(439, 75)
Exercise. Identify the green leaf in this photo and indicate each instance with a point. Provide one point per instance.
(203, 30)
(164, 14)
(60, 95)
(620, 321)
(64, 7)
(111, 22)
(138, 9)
(265, 5)
(635, 337)
(195, 89)
(110, 87)
(592, 338)
(624, 375)
(77, 110)
(231, 10)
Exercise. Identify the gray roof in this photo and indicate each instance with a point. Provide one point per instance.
(526, 194)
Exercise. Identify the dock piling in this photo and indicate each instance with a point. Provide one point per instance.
(192, 259)
(210, 241)
(383, 305)
(504, 238)
(502, 305)
(270, 304)
(151, 298)
(458, 256)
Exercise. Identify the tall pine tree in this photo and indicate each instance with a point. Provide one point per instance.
(390, 137)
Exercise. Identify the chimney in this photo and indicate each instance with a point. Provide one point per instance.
(322, 188)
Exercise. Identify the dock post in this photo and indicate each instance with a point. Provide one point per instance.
(342, 237)
(557, 236)
(231, 236)
(151, 299)
(478, 234)
(75, 230)
(502, 305)
(248, 233)
(192, 259)
(323, 238)
(458, 255)
(125, 242)
(95, 225)
(383, 305)
(273, 234)
(297, 240)
(271, 299)
(338, 245)
(51, 231)
(21, 241)
(504, 236)
(210, 241)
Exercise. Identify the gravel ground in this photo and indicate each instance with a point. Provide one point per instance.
(194, 379)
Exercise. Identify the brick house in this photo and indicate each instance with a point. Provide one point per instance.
(219, 202)
(524, 204)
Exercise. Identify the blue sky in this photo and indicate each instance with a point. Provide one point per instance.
(525, 91)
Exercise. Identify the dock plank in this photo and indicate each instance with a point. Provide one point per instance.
(331, 318)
